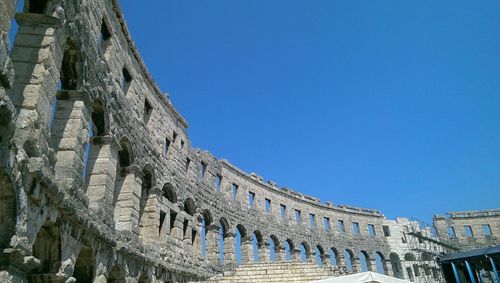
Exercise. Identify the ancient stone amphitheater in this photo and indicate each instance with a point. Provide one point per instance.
(99, 182)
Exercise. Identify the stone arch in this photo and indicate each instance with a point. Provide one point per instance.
(240, 236)
(289, 249)
(257, 246)
(205, 221)
(8, 209)
(320, 255)
(334, 256)
(126, 154)
(380, 263)
(117, 275)
(85, 265)
(169, 192)
(305, 251)
(349, 260)
(396, 265)
(70, 69)
(224, 230)
(189, 206)
(274, 248)
(47, 249)
(364, 261)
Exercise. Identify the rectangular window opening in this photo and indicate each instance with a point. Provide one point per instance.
(268, 205)
(218, 181)
(297, 216)
(355, 229)
(487, 230)
(283, 211)
(126, 80)
(312, 220)
(166, 147)
(371, 230)
(468, 231)
(234, 191)
(387, 232)
(203, 170)
(173, 215)
(174, 137)
(148, 110)
(162, 220)
(251, 198)
(451, 232)
(326, 224)
(341, 226)
(188, 162)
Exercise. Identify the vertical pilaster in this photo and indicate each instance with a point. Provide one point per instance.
(176, 231)
(150, 221)
(246, 249)
(229, 252)
(128, 190)
(264, 253)
(212, 244)
(69, 135)
(279, 253)
(295, 255)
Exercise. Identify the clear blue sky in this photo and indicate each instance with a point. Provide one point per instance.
(393, 105)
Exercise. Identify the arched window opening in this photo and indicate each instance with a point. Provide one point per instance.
(223, 230)
(168, 193)
(364, 261)
(396, 265)
(319, 254)
(333, 254)
(99, 119)
(85, 265)
(257, 244)
(8, 208)
(240, 234)
(348, 256)
(116, 275)
(273, 243)
(189, 207)
(288, 249)
(104, 39)
(37, 6)
(380, 263)
(47, 248)
(146, 186)
(304, 252)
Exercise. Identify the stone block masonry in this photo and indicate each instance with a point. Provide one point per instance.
(99, 181)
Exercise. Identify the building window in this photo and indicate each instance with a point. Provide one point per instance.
(166, 147)
(148, 109)
(468, 231)
(451, 232)
(218, 181)
(174, 137)
(268, 205)
(487, 230)
(297, 216)
(312, 220)
(341, 226)
(251, 198)
(283, 211)
(182, 144)
(326, 224)
(188, 162)
(104, 39)
(355, 229)
(126, 80)
(387, 232)
(234, 191)
(203, 170)
(37, 6)
(371, 230)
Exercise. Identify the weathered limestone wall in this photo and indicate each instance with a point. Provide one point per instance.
(99, 180)
(484, 225)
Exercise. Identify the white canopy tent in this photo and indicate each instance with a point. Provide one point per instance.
(363, 277)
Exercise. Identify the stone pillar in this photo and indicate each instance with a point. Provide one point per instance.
(212, 244)
(187, 234)
(229, 253)
(279, 253)
(176, 231)
(325, 259)
(264, 253)
(162, 234)
(128, 190)
(197, 244)
(69, 135)
(150, 221)
(356, 265)
(295, 255)
(311, 256)
(36, 57)
(246, 249)
(101, 173)
(388, 266)
(372, 265)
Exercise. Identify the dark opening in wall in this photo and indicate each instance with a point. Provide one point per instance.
(174, 137)
(69, 72)
(126, 80)
(124, 157)
(105, 37)
(173, 215)
(162, 220)
(98, 119)
(166, 147)
(188, 162)
(37, 6)
(203, 170)
(387, 231)
(185, 225)
(193, 236)
(148, 109)
(168, 192)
